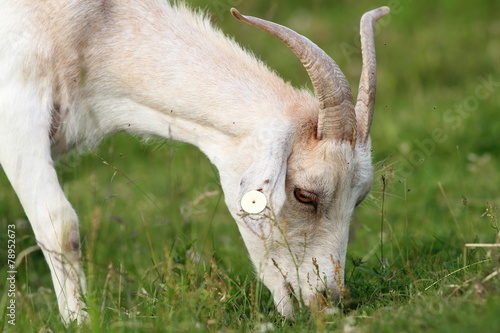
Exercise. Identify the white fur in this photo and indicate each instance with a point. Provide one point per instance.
(72, 72)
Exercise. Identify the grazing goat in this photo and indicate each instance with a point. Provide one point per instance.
(293, 166)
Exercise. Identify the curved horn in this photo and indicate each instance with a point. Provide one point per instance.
(337, 118)
(366, 92)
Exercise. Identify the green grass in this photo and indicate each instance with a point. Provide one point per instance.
(163, 254)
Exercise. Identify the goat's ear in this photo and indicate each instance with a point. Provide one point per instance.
(267, 175)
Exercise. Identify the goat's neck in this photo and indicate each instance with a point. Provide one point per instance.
(185, 82)
(175, 77)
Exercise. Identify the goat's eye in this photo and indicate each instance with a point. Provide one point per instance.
(306, 197)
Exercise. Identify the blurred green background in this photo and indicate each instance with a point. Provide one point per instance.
(436, 147)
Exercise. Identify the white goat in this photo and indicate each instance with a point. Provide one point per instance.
(292, 166)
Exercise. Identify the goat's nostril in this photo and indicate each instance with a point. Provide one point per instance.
(293, 296)
(325, 295)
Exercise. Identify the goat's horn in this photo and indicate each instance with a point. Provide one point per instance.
(337, 118)
(366, 91)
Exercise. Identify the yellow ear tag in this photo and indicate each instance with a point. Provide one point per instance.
(253, 202)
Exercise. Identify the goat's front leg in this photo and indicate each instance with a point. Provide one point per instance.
(26, 160)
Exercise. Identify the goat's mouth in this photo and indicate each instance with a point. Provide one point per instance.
(324, 299)
(316, 302)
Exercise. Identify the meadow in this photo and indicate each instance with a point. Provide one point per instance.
(162, 253)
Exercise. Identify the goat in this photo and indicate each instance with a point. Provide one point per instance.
(292, 165)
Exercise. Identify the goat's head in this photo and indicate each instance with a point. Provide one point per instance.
(296, 202)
